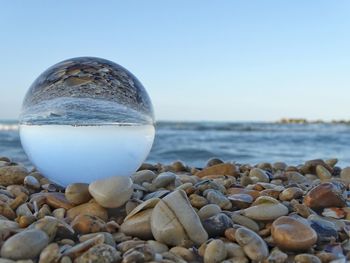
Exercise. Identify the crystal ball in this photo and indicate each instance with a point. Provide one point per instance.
(85, 119)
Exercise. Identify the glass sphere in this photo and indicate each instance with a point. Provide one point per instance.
(85, 119)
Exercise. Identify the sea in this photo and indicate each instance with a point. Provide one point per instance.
(241, 142)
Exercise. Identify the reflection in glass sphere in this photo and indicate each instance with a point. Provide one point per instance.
(85, 119)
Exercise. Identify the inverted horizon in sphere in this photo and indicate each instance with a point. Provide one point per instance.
(85, 119)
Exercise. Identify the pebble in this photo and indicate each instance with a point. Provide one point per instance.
(58, 200)
(213, 161)
(138, 221)
(265, 208)
(217, 224)
(253, 245)
(215, 252)
(12, 175)
(184, 253)
(291, 193)
(208, 211)
(306, 258)
(325, 195)
(245, 221)
(84, 224)
(8, 225)
(234, 250)
(101, 253)
(25, 245)
(277, 256)
(108, 237)
(91, 208)
(172, 212)
(31, 182)
(216, 197)
(198, 201)
(77, 193)
(112, 192)
(164, 179)
(50, 254)
(240, 201)
(235, 190)
(173, 221)
(310, 166)
(259, 175)
(6, 211)
(323, 173)
(143, 176)
(291, 234)
(218, 169)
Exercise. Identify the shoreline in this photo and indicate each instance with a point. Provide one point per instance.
(176, 213)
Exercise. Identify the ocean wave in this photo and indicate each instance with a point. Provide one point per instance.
(8, 127)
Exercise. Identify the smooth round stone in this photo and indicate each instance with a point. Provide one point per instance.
(214, 161)
(164, 179)
(216, 197)
(31, 182)
(50, 254)
(265, 208)
(241, 200)
(245, 221)
(277, 256)
(208, 211)
(10, 175)
(112, 192)
(259, 175)
(292, 235)
(25, 245)
(92, 208)
(143, 176)
(234, 250)
(325, 195)
(217, 224)
(198, 201)
(215, 252)
(291, 193)
(323, 173)
(77, 193)
(253, 245)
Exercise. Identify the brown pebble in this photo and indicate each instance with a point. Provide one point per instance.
(58, 200)
(218, 169)
(292, 235)
(85, 224)
(20, 199)
(10, 175)
(25, 221)
(6, 211)
(325, 195)
(91, 208)
(77, 193)
(230, 234)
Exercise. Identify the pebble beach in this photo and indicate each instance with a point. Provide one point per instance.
(222, 212)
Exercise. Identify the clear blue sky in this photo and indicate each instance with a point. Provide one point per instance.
(199, 60)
